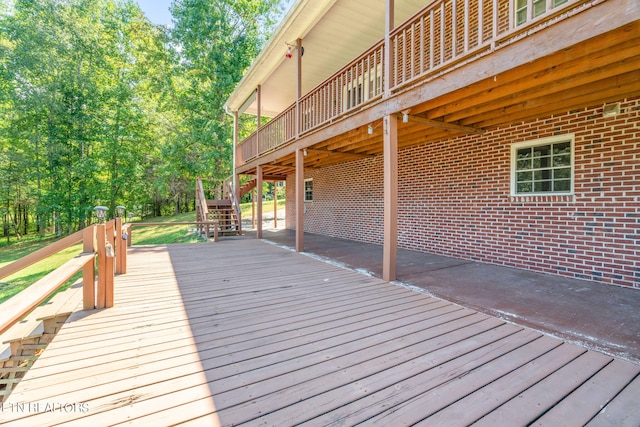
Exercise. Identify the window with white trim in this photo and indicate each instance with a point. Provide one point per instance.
(538, 7)
(542, 167)
(308, 190)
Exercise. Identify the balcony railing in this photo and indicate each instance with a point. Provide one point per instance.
(439, 37)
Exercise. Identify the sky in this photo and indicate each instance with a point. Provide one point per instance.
(156, 10)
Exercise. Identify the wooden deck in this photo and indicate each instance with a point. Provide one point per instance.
(243, 332)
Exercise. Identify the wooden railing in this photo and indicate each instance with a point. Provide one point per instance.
(205, 226)
(280, 130)
(441, 36)
(103, 240)
(229, 190)
(202, 210)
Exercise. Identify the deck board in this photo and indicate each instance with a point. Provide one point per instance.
(245, 332)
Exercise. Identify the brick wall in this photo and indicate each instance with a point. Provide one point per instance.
(454, 200)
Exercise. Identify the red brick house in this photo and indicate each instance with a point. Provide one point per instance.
(501, 131)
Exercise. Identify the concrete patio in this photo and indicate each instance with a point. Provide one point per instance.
(594, 315)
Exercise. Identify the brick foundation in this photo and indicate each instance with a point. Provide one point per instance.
(455, 200)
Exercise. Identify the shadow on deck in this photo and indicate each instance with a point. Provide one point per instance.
(243, 332)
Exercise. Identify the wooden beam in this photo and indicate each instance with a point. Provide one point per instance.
(354, 155)
(445, 125)
(390, 249)
(275, 204)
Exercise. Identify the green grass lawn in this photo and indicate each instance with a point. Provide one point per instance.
(267, 207)
(165, 234)
(11, 285)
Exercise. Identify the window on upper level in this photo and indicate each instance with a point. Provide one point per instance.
(542, 167)
(538, 7)
(362, 88)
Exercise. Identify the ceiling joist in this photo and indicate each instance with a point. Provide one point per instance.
(352, 155)
(444, 125)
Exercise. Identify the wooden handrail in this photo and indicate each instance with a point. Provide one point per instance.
(41, 254)
(105, 240)
(15, 308)
(231, 190)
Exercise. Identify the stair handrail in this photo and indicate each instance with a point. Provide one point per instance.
(202, 213)
(229, 188)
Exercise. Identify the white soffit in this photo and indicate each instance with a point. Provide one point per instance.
(333, 33)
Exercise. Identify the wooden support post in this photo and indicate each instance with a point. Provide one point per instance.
(259, 191)
(390, 153)
(299, 200)
(258, 118)
(110, 264)
(216, 227)
(88, 271)
(275, 204)
(253, 208)
(121, 248)
(129, 231)
(298, 116)
(102, 264)
(123, 242)
(236, 188)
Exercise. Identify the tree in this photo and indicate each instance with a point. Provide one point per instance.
(99, 106)
(218, 41)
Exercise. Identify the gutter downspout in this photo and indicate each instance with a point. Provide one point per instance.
(233, 166)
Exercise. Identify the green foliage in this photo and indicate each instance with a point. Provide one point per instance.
(99, 106)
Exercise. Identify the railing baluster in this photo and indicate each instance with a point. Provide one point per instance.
(431, 38)
(466, 26)
(495, 21)
(422, 46)
(454, 28)
(480, 22)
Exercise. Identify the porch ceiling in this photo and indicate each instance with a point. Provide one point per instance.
(600, 70)
(331, 39)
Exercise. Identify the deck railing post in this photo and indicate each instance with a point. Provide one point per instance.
(102, 264)
(123, 242)
(88, 271)
(110, 263)
(121, 247)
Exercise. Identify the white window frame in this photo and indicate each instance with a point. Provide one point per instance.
(528, 9)
(306, 192)
(536, 143)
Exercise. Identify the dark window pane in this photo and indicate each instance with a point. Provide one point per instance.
(524, 176)
(543, 174)
(562, 148)
(524, 187)
(523, 164)
(564, 173)
(564, 186)
(542, 186)
(542, 150)
(562, 160)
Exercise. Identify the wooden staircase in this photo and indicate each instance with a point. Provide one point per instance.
(247, 186)
(226, 211)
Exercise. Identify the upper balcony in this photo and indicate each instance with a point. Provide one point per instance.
(454, 66)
